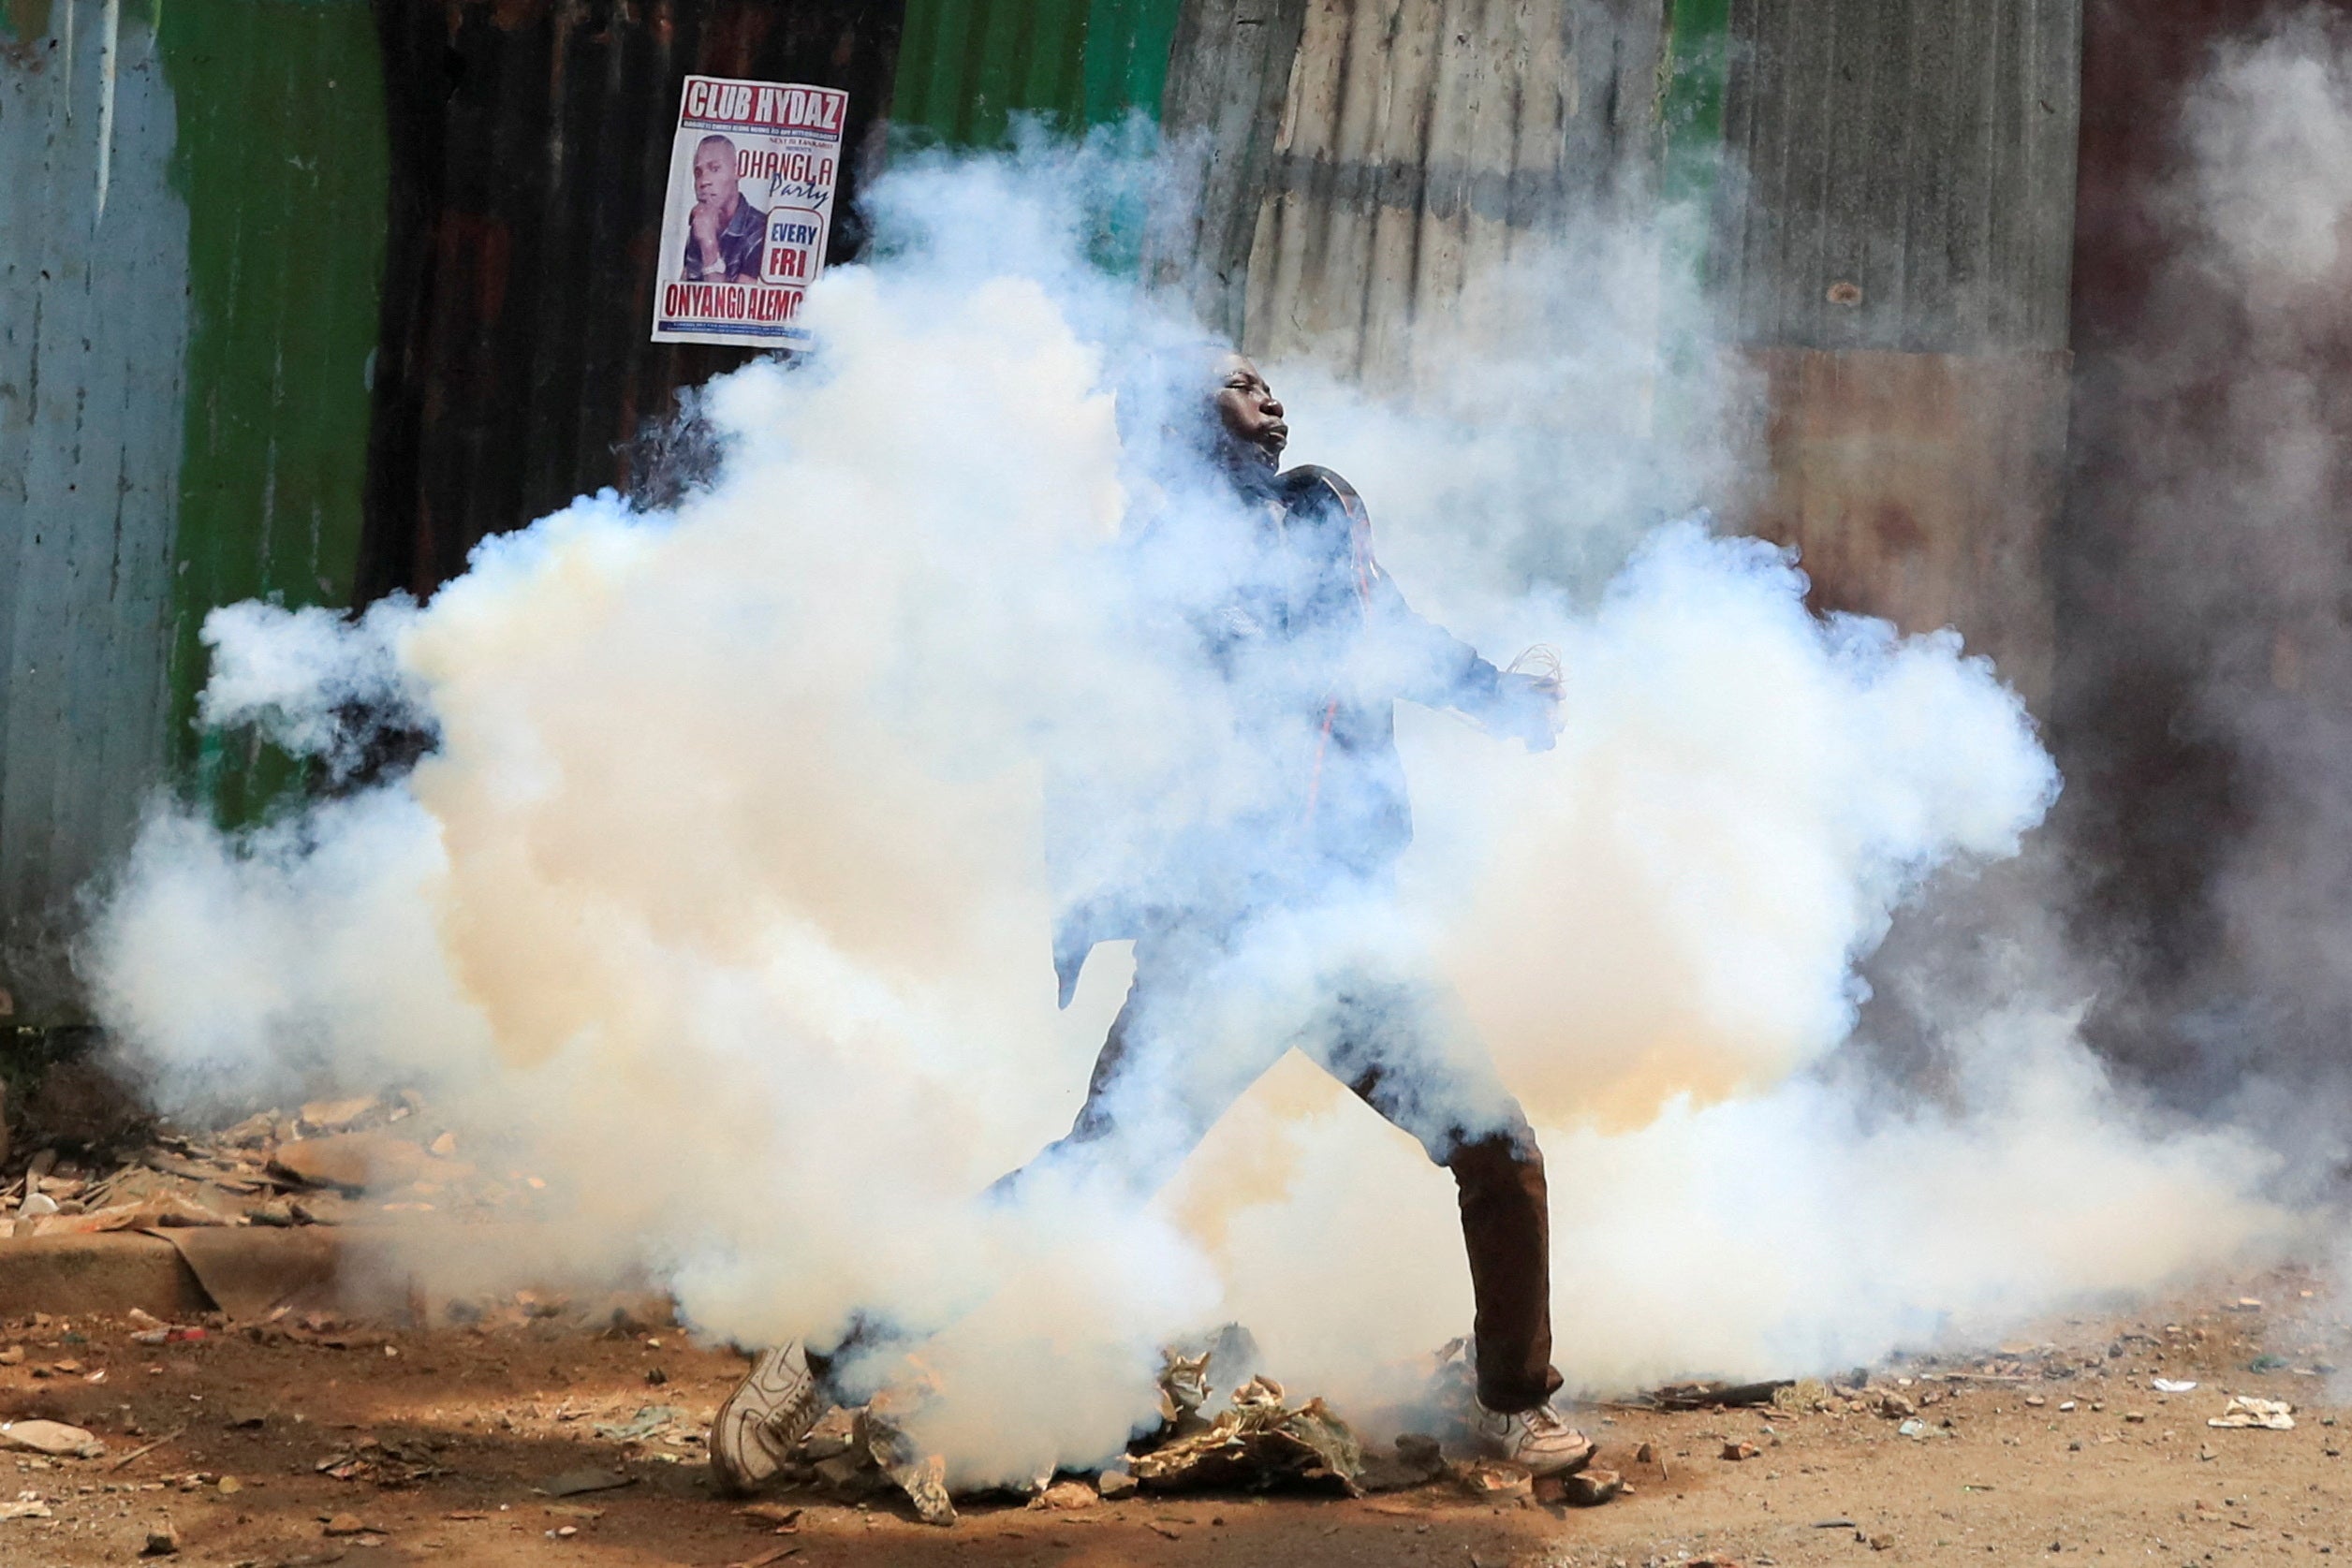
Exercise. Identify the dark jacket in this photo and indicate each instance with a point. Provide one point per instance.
(1311, 645)
(742, 246)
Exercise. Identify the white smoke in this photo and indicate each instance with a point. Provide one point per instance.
(722, 901)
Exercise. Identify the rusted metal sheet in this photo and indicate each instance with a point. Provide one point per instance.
(1919, 487)
(1425, 144)
(1905, 174)
(1892, 247)
(530, 146)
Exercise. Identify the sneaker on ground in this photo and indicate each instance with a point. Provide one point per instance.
(769, 1412)
(1537, 1438)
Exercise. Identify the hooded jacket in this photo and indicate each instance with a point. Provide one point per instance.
(1308, 644)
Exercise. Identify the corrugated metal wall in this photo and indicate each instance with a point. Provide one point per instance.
(279, 157)
(966, 67)
(93, 345)
(1891, 253)
(1420, 144)
(1910, 174)
(530, 154)
(190, 222)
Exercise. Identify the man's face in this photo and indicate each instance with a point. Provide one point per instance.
(714, 183)
(1249, 410)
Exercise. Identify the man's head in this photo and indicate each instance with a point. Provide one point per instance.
(1248, 413)
(714, 183)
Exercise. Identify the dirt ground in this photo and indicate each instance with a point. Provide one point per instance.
(251, 1443)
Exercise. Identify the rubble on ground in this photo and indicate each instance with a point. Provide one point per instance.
(330, 1162)
(1257, 1438)
(1258, 1441)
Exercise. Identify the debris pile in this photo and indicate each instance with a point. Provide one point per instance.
(1254, 1439)
(330, 1162)
(1258, 1441)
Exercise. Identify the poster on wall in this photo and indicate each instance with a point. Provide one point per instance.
(750, 204)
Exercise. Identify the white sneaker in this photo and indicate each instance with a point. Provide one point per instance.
(1537, 1438)
(770, 1411)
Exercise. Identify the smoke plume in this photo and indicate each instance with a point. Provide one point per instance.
(722, 901)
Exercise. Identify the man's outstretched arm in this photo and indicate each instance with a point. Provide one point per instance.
(1435, 669)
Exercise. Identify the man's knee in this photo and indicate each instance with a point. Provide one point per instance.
(1508, 1157)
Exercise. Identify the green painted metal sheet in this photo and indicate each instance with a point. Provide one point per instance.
(282, 160)
(966, 67)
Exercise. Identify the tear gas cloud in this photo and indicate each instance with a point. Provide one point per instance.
(2212, 583)
(722, 901)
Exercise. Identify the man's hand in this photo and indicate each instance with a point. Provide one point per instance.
(1530, 708)
(705, 223)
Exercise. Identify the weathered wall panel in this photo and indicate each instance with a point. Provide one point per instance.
(1904, 174)
(1427, 143)
(1891, 252)
(92, 344)
(191, 210)
(1229, 72)
(1921, 487)
(967, 67)
(281, 159)
(530, 154)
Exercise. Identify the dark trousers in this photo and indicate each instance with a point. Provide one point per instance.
(1182, 1051)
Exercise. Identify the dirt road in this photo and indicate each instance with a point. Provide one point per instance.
(430, 1446)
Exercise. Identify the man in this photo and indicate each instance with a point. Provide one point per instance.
(725, 234)
(1289, 625)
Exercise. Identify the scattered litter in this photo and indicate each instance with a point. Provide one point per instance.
(53, 1438)
(2266, 1364)
(1258, 1441)
(1415, 1462)
(29, 1508)
(1738, 1451)
(779, 1516)
(1708, 1396)
(572, 1483)
(776, 1554)
(1495, 1480)
(2244, 1410)
(1833, 1524)
(923, 1478)
(1067, 1497)
(146, 1448)
(649, 1422)
(1183, 1389)
(333, 1116)
(386, 1464)
(1918, 1430)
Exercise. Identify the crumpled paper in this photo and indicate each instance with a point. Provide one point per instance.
(2244, 1410)
(1257, 1441)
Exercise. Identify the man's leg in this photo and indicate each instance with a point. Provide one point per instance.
(1168, 1067)
(1389, 1042)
